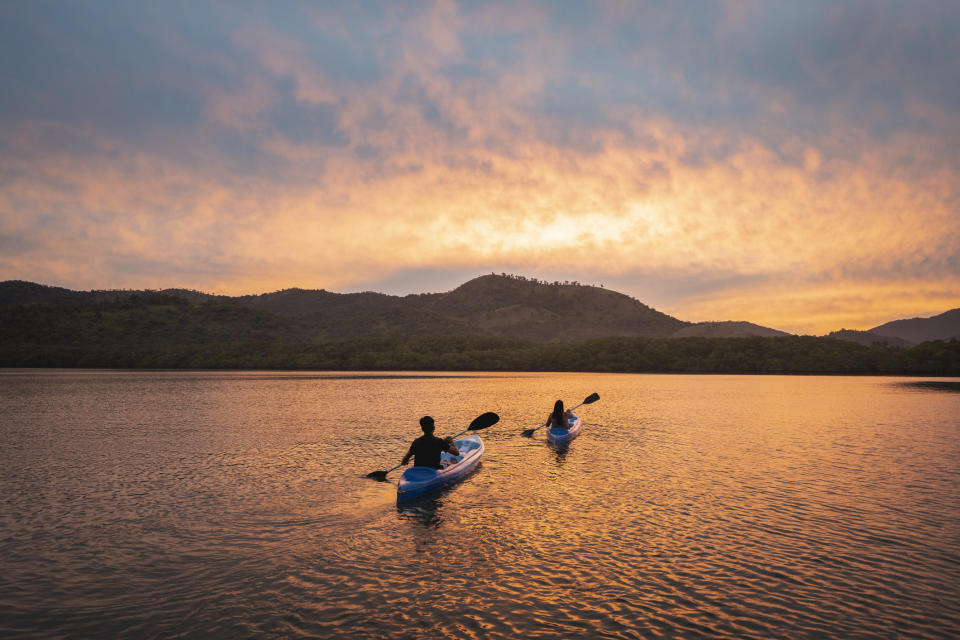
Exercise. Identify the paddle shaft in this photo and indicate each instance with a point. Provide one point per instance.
(392, 469)
(459, 434)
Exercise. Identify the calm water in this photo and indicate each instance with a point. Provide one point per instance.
(231, 505)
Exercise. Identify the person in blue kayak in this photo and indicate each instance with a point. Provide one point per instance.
(427, 449)
(559, 417)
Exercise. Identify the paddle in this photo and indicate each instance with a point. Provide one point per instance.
(480, 422)
(590, 399)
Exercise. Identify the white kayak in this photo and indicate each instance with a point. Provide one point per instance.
(558, 436)
(417, 481)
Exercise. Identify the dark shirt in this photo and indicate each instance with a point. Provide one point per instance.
(427, 450)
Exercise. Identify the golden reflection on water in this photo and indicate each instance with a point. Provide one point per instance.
(690, 506)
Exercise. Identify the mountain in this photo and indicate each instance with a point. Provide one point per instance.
(868, 338)
(517, 307)
(939, 327)
(492, 323)
(729, 329)
(19, 292)
(493, 305)
(294, 303)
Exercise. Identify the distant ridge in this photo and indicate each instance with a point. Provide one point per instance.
(940, 327)
(491, 323)
(518, 307)
(21, 292)
(499, 305)
(294, 303)
(729, 329)
(17, 292)
(868, 338)
(503, 306)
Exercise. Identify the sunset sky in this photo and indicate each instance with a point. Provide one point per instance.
(792, 164)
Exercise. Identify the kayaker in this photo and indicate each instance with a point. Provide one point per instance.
(559, 417)
(426, 449)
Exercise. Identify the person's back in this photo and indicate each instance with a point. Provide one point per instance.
(427, 449)
(559, 417)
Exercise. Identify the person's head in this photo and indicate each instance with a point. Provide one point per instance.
(558, 407)
(426, 423)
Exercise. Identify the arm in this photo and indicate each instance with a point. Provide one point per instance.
(407, 457)
(451, 448)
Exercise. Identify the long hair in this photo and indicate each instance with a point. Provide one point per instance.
(557, 418)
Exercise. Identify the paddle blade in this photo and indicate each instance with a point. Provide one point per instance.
(590, 399)
(377, 475)
(528, 433)
(482, 422)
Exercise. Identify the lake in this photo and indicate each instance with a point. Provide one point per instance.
(233, 505)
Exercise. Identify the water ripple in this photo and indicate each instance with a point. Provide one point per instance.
(155, 505)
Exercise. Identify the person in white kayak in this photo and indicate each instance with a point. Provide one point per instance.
(559, 417)
(427, 449)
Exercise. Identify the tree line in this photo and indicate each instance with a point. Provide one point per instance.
(159, 331)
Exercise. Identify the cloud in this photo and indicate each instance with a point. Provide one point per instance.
(714, 157)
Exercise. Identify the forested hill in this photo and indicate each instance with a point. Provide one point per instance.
(727, 329)
(940, 327)
(868, 338)
(492, 305)
(474, 327)
(516, 307)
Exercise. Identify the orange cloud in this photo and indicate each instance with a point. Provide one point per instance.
(296, 176)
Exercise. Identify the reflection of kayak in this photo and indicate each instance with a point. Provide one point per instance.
(558, 436)
(417, 481)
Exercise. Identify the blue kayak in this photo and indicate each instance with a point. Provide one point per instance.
(417, 481)
(558, 436)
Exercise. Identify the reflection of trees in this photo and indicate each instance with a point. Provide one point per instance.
(934, 385)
